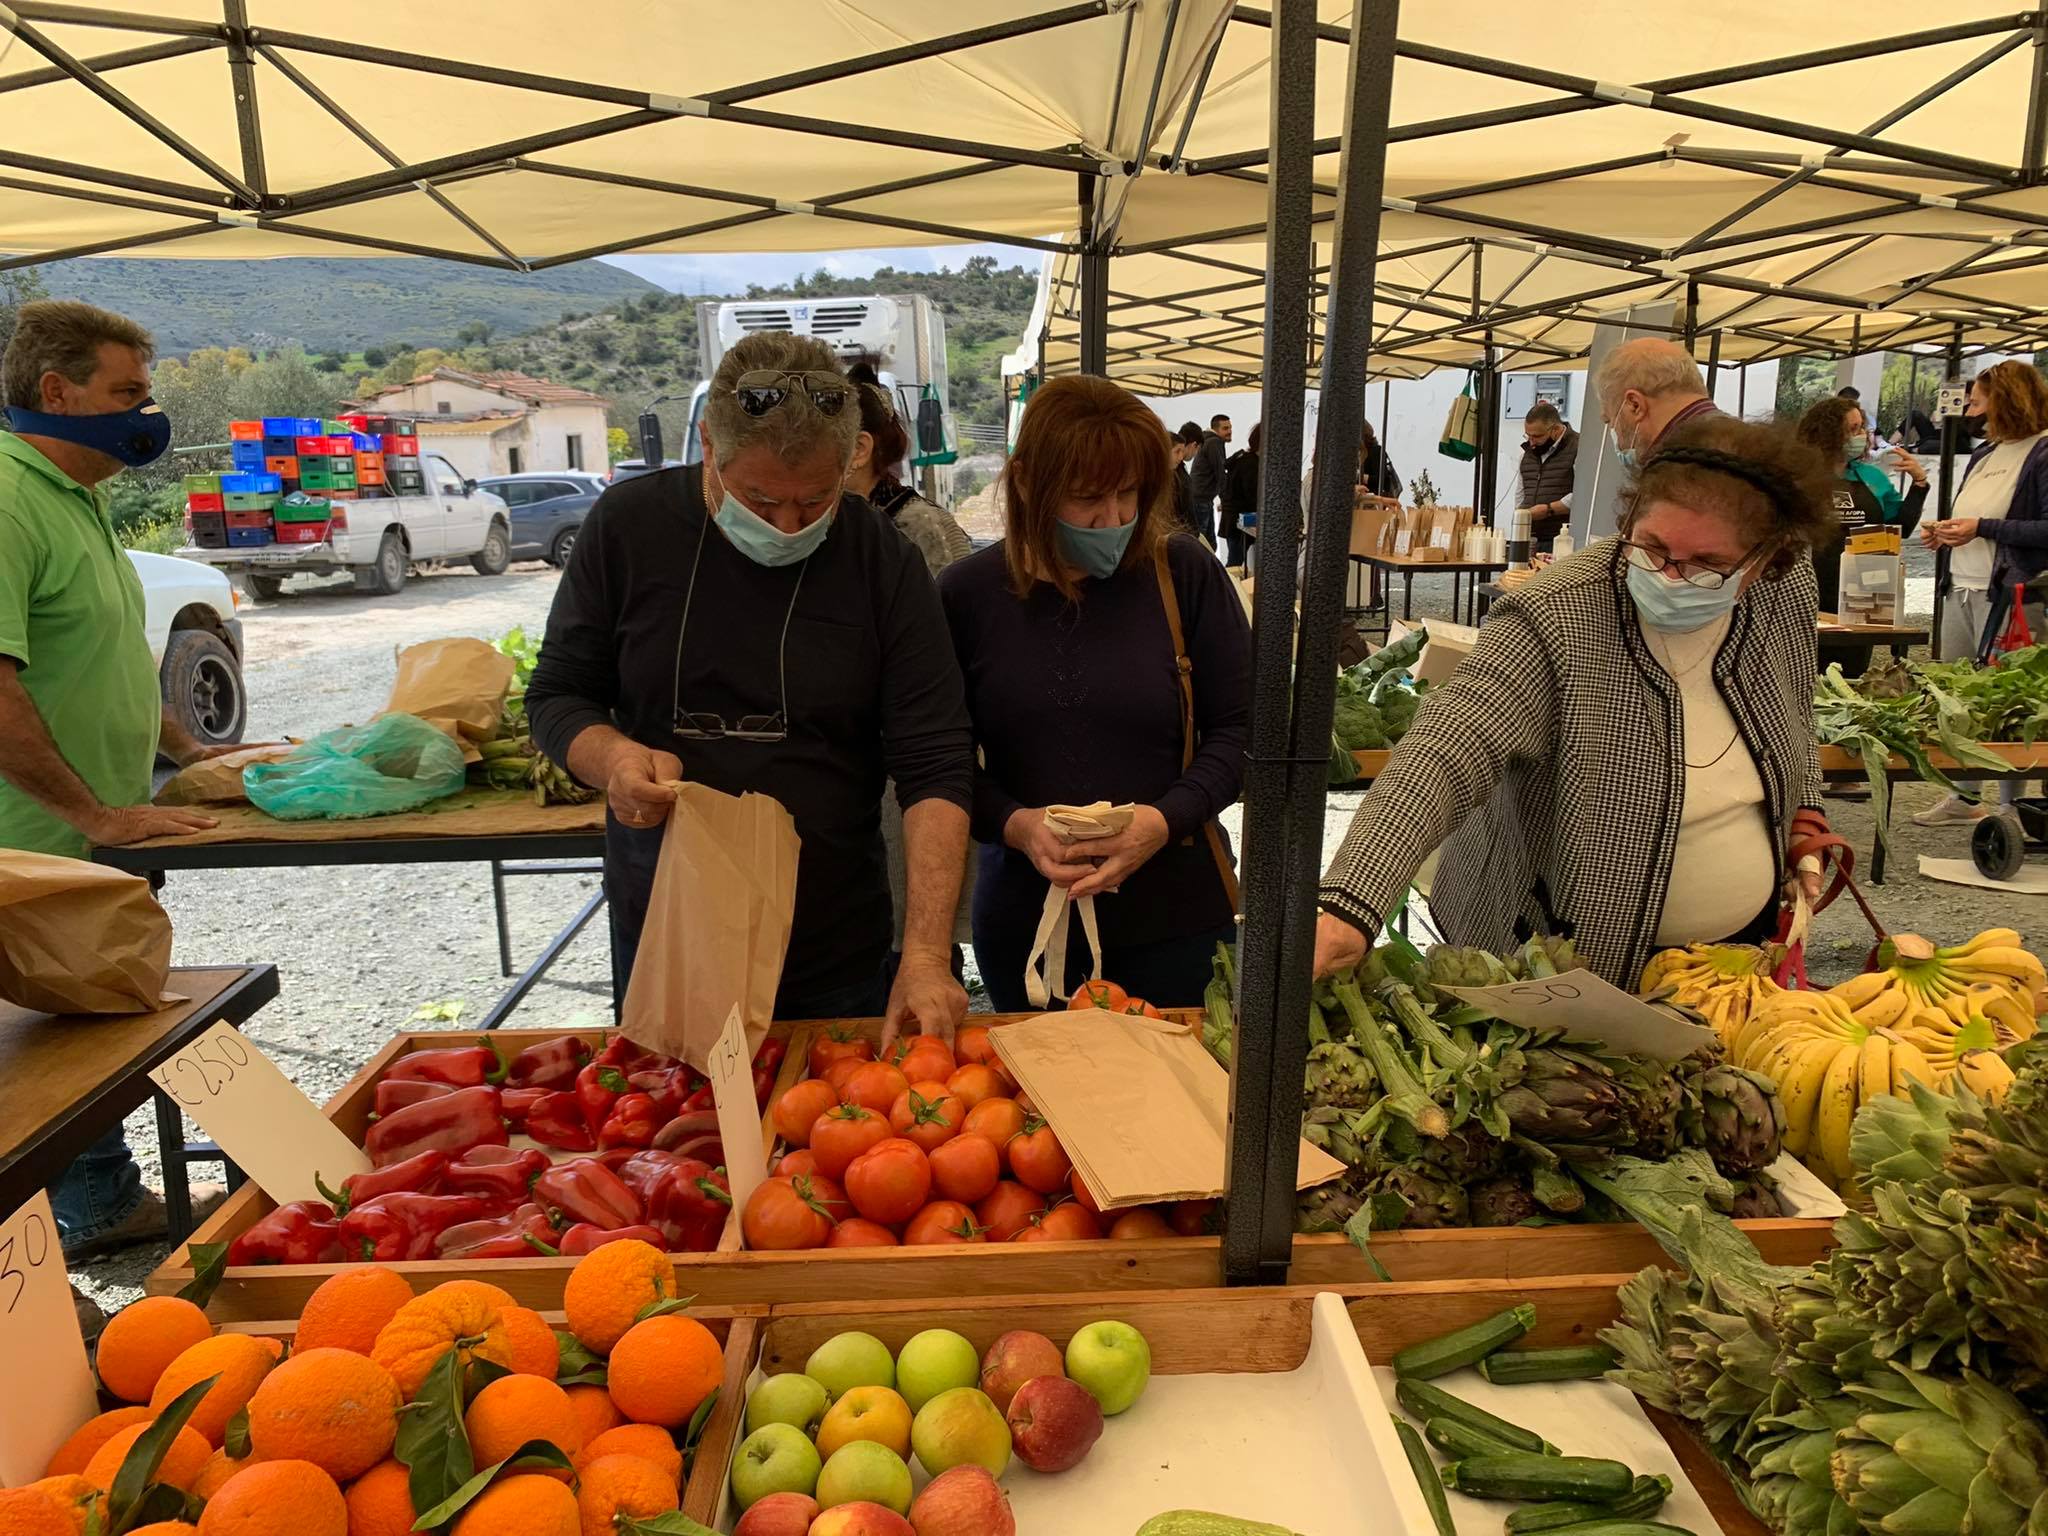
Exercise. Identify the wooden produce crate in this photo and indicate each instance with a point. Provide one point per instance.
(1253, 1331)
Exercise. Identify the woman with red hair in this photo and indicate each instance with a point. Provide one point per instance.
(1107, 659)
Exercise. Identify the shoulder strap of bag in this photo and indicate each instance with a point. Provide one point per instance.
(1185, 671)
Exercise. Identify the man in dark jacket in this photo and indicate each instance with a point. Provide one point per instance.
(1550, 453)
(1187, 443)
(1207, 477)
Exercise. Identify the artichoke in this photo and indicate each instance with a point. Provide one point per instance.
(1327, 1207)
(1568, 1097)
(1432, 1201)
(1501, 1202)
(1743, 1121)
(1339, 1076)
(1930, 1456)
(1754, 1198)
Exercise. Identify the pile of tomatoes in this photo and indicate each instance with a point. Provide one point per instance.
(935, 1145)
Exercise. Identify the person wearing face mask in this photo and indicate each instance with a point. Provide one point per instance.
(1628, 754)
(1550, 456)
(750, 624)
(1106, 658)
(1647, 388)
(881, 447)
(1863, 496)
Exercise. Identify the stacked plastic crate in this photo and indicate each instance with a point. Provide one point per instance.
(387, 454)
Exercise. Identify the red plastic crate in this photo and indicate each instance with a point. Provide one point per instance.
(198, 501)
(245, 431)
(404, 447)
(358, 423)
(301, 533)
(261, 519)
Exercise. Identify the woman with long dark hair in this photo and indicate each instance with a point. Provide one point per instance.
(878, 454)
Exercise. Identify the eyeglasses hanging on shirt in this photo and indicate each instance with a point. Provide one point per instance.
(693, 725)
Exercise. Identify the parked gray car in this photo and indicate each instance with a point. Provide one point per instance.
(547, 506)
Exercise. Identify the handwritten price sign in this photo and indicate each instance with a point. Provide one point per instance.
(238, 1097)
(731, 1070)
(1593, 1011)
(40, 1341)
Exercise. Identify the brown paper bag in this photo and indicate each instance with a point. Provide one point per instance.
(78, 937)
(457, 684)
(717, 924)
(218, 780)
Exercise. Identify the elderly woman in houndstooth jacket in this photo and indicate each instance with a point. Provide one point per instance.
(1628, 753)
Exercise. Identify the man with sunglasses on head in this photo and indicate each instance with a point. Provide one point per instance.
(748, 624)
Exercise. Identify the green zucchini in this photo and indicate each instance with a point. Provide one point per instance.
(1457, 1439)
(1520, 1475)
(1514, 1367)
(1426, 1478)
(1645, 1498)
(1426, 1402)
(1629, 1528)
(1440, 1356)
(1199, 1522)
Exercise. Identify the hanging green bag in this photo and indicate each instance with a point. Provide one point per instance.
(1461, 428)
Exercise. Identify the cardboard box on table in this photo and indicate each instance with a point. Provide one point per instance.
(1873, 578)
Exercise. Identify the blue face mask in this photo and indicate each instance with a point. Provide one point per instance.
(135, 437)
(1096, 552)
(761, 541)
(1679, 606)
(1630, 456)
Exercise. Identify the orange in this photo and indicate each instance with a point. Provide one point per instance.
(610, 1285)
(380, 1502)
(621, 1485)
(276, 1498)
(663, 1368)
(647, 1441)
(515, 1409)
(420, 1332)
(26, 1512)
(74, 1453)
(165, 1528)
(220, 1466)
(144, 1337)
(535, 1349)
(350, 1309)
(239, 1360)
(525, 1505)
(74, 1494)
(181, 1466)
(595, 1411)
(332, 1407)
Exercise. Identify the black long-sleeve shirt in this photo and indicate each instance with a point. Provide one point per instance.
(873, 689)
(1074, 703)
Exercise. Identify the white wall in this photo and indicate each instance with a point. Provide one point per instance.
(553, 425)
(426, 399)
(470, 454)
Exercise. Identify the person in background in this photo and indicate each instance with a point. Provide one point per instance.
(1646, 387)
(878, 452)
(1240, 506)
(1376, 471)
(1067, 644)
(1920, 433)
(82, 717)
(1628, 755)
(1187, 442)
(1207, 478)
(1850, 393)
(1997, 534)
(1550, 454)
(1863, 497)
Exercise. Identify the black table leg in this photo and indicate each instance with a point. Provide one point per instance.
(516, 994)
(170, 1146)
(1407, 596)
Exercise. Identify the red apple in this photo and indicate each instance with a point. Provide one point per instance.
(861, 1519)
(780, 1514)
(1016, 1358)
(1053, 1423)
(963, 1502)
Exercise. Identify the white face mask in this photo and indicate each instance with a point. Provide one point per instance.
(764, 543)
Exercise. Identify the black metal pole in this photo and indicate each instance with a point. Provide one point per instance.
(1952, 441)
(1094, 315)
(1489, 438)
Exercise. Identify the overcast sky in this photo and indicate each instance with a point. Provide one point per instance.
(724, 273)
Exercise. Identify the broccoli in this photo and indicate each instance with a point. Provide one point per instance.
(1358, 725)
(1398, 713)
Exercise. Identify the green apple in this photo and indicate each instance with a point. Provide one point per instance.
(935, 1361)
(959, 1428)
(1113, 1361)
(790, 1398)
(850, 1360)
(776, 1458)
(863, 1471)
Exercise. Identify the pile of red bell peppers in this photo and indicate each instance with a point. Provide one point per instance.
(445, 1183)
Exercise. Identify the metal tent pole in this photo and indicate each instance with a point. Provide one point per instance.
(1291, 732)
(1094, 285)
(1489, 436)
(1952, 441)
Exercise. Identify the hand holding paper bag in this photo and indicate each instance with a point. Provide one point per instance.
(1045, 969)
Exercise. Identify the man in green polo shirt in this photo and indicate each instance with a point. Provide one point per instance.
(81, 718)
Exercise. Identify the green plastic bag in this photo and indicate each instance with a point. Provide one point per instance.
(395, 763)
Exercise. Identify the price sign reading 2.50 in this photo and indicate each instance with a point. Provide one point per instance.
(199, 1073)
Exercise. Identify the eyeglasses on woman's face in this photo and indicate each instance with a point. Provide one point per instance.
(1697, 573)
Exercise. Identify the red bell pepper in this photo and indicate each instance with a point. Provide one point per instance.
(583, 1237)
(644, 1169)
(394, 1096)
(419, 1174)
(469, 1117)
(583, 1189)
(628, 1056)
(557, 1121)
(764, 1086)
(667, 1086)
(400, 1226)
(701, 1097)
(500, 1175)
(632, 1122)
(496, 1237)
(688, 1127)
(770, 1055)
(551, 1064)
(597, 1090)
(303, 1232)
(470, 1066)
(518, 1103)
(690, 1205)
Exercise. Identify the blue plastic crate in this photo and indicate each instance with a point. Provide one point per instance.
(248, 456)
(292, 426)
(364, 443)
(253, 485)
(279, 447)
(247, 538)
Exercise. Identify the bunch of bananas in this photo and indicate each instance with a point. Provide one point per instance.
(514, 762)
(1724, 983)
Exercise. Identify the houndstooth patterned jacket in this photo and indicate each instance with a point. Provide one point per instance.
(1550, 767)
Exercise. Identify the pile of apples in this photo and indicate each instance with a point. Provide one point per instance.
(935, 1145)
(828, 1451)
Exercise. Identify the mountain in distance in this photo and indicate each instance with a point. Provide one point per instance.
(333, 304)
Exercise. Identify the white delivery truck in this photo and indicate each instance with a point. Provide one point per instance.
(903, 334)
(380, 539)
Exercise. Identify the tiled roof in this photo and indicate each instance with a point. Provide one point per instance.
(451, 426)
(505, 381)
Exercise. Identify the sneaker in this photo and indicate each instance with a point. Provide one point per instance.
(1950, 811)
(149, 1222)
(91, 1320)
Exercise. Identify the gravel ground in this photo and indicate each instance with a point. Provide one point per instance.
(363, 950)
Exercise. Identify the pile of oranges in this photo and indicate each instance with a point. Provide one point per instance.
(302, 1442)
(935, 1145)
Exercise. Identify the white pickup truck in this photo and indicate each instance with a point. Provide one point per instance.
(380, 539)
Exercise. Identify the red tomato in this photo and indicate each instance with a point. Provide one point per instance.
(874, 1086)
(839, 1044)
(973, 1085)
(1140, 1223)
(840, 1071)
(1008, 1209)
(965, 1168)
(911, 1043)
(973, 1046)
(831, 1194)
(943, 1221)
(842, 1134)
(927, 1064)
(1137, 1007)
(1190, 1218)
(1085, 1200)
(927, 1114)
(1069, 1222)
(799, 1106)
(859, 1232)
(784, 1214)
(996, 1119)
(890, 1181)
(1038, 1160)
(1106, 995)
(803, 1160)
(1033, 1234)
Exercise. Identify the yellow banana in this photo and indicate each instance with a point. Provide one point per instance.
(2009, 961)
(1874, 1067)
(1986, 1074)
(1837, 1110)
(1990, 938)
(1911, 1064)
(1799, 1087)
(1859, 992)
(1887, 1008)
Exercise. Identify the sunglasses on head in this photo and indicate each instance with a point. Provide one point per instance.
(763, 389)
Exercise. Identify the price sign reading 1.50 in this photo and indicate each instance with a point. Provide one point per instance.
(204, 1069)
(51, 1391)
(729, 1065)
